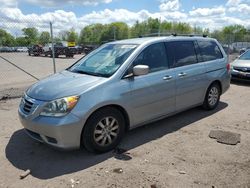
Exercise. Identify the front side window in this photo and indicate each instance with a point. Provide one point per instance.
(153, 56)
(209, 50)
(104, 61)
(181, 53)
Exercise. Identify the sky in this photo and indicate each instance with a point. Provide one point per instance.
(66, 14)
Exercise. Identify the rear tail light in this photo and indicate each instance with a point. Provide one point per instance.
(228, 67)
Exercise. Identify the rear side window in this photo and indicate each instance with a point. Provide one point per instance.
(181, 53)
(209, 50)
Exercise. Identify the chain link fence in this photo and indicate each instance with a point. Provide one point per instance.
(29, 52)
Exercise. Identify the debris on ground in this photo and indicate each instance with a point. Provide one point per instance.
(74, 182)
(182, 172)
(25, 174)
(122, 154)
(119, 150)
(153, 186)
(118, 170)
(4, 98)
(225, 137)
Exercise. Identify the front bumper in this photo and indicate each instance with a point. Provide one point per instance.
(61, 132)
(240, 75)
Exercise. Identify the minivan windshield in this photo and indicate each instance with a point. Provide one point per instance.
(104, 61)
(245, 56)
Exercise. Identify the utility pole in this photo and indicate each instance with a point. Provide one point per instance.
(159, 29)
(53, 51)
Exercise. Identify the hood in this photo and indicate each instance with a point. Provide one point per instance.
(241, 63)
(62, 84)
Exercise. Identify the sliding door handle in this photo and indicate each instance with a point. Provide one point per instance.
(167, 77)
(182, 74)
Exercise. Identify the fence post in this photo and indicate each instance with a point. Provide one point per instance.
(53, 51)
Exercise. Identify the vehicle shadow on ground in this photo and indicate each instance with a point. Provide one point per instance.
(45, 162)
(241, 82)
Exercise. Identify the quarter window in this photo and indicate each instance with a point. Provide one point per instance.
(154, 56)
(209, 50)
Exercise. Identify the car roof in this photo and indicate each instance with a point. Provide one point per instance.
(142, 40)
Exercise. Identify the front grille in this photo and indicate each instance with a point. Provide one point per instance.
(242, 69)
(27, 106)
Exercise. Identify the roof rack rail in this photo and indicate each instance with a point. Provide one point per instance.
(189, 35)
(158, 34)
(172, 34)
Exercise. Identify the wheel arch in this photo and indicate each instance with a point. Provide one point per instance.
(115, 106)
(216, 82)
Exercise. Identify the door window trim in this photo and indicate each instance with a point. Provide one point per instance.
(130, 67)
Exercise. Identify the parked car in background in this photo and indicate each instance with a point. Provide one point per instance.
(79, 49)
(47, 49)
(6, 49)
(89, 48)
(35, 50)
(60, 48)
(123, 85)
(22, 49)
(242, 50)
(240, 68)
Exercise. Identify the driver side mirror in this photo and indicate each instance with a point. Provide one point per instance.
(139, 70)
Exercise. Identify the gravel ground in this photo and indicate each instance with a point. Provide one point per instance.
(174, 152)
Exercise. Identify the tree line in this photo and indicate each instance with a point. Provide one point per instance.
(100, 33)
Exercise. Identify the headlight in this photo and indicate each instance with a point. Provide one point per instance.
(59, 107)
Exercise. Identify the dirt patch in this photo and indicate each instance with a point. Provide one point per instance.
(225, 137)
(11, 93)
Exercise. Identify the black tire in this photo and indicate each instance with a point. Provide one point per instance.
(90, 134)
(212, 99)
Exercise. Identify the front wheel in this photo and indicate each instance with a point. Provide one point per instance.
(104, 130)
(212, 97)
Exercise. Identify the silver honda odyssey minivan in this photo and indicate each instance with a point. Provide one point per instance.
(122, 85)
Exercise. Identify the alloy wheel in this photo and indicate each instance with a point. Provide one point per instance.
(106, 131)
(213, 96)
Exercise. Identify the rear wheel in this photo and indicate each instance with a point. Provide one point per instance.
(104, 130)
(212, 97)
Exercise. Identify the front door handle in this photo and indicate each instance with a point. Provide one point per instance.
(182, 74)
(167, 77)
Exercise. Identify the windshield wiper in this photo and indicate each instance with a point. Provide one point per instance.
(90, 73)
